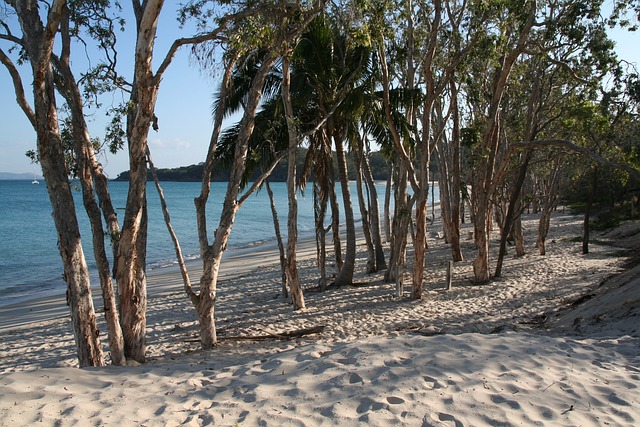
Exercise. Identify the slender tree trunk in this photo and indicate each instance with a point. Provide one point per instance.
(420, 246)
(292, 222)
(381, 263)
(276, 226)
(364, 213)
(549, 200)
(335, 224)
(387, 203)
(345, 276)
(130, 262)
(320, 208)
(485, 178)
(401, 220)
(456, 207)
(511, 211)
(517, 232)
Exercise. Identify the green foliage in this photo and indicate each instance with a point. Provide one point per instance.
(115, 135)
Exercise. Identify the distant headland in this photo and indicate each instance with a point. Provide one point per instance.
(193, 173)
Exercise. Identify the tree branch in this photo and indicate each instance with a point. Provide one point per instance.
(260, 180)
(18, 88)
(580, 150)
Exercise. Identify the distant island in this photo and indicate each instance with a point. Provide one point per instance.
(193, 173)
(19, 176)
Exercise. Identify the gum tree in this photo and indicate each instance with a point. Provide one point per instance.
(37, 41)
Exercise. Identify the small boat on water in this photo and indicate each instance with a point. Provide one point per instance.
(35, 181)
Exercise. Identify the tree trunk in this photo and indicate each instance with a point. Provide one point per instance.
(549, 200)
(387, 204)
(381, 263)
(292, 222)
(345, 276)
(517, 232)
(212, 254)
(456, 207)
(335, 223)
(130, 263)
(276, 226)
(88, 167)
(38, 41)
(543, 229)
(481, 227)
(484, 185)
(420, 246)
(320, 208)
(400, 225)
(364, 213)
(514, 205)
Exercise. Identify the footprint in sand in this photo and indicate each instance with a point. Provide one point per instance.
(369, 405)
(448, 419)
(395, 400)
(432, 383)
(355, 378)
(496, 398)
(399, 361)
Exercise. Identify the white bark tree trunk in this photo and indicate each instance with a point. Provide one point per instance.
(37, 40)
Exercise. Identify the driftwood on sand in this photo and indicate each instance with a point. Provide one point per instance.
(287, 335)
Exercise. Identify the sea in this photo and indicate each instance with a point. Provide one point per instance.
(30, 264)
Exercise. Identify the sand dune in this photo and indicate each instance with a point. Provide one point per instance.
(553, 342)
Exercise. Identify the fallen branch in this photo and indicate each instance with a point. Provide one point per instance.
(288, 335)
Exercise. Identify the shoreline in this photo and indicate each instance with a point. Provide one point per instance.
(166, 279)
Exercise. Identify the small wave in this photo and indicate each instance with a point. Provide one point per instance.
(163, 263)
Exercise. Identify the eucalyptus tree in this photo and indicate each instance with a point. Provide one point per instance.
(570, 47)
(429, 52)
(99, 24)
(296, 115)
(450, 176)
(508, 34)
(37, 41)
(263, 33)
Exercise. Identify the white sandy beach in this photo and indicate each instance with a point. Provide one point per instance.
(521, 350)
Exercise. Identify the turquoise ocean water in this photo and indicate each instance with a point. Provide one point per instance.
(30, 264)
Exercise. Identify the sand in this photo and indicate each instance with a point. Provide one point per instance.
(555, 341)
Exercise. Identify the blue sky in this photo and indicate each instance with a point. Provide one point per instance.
(183, 108)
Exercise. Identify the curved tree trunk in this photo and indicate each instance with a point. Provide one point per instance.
(400, 227)
(130, 262)
(212, 254)
(518, 235)
(512, 212)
